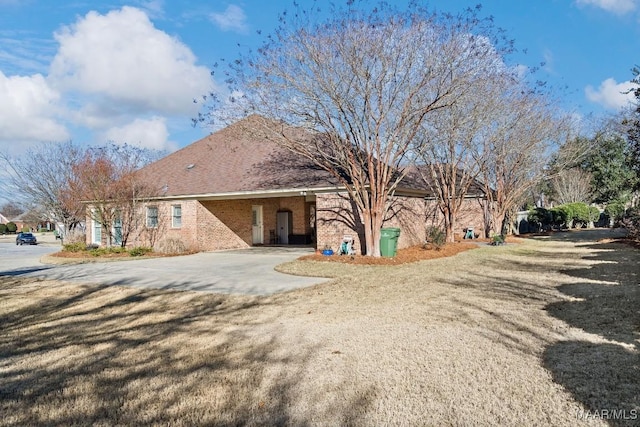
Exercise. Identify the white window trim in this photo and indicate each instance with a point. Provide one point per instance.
(149, 217)
(95, 225)
(173, 216)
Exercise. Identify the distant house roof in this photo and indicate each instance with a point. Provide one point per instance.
(233, 160)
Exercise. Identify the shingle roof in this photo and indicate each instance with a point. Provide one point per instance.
(237, 159)
(417, 176)
(233, 160)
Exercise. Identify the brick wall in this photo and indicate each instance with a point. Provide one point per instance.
(227, 224)
(236, 216)
(413, 215)
(336, 217)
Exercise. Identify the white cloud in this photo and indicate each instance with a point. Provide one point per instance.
(27, 110)
(154, 8)
(147, 133)
(120, 59)
(616, 6)
(232, 19)
(549, 61)
(610, 94)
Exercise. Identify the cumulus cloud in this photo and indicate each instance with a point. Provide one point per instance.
(122, 60)
(232, 19)
(27, 110)
(615, 6)
(610, 94)
(146, 133)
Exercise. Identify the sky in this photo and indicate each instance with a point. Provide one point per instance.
(128, 71)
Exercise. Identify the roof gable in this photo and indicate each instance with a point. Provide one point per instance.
(233, 160)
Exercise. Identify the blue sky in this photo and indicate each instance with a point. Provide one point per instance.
(127, 71)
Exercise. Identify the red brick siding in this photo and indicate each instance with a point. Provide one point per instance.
(226, 224)
(413, 215)
(236, 216)
(334, 219)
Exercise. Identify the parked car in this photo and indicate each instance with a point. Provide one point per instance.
(26, 239)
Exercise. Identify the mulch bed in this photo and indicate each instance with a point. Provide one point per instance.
(403, 256)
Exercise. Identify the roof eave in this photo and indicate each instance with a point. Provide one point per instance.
(253, 194)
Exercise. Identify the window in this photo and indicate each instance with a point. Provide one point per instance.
(176, 216)
(152, 216)
(117, 229)
(97, 232)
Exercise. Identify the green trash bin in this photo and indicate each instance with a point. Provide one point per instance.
(389, 241)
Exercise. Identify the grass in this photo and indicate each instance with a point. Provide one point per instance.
(528, 334)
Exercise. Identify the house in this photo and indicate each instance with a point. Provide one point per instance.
(233, 189)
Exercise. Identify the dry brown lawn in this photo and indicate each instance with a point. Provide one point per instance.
(544, 332)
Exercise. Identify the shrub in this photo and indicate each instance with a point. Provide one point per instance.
(562, 216)
(594, 215)
(497, 239)
(140, 251)
(3, 228)
(572, 215)
(615, 211)
(631, 222)
(580, 213)
(11, 227)
(75, 236)
(435, 237)
(107, 251)
(75, 247)
(540, 217)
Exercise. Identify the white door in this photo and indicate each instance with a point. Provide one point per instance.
(257, 227)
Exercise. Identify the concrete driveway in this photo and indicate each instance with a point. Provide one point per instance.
(249, 271)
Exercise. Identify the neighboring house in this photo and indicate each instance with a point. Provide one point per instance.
(3, 219)
(33, 220)
(231, 190)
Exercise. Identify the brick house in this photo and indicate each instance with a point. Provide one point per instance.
(231, 190)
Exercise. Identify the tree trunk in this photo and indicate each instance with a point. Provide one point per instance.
(487, 218)
(372, 226)
(449, 226)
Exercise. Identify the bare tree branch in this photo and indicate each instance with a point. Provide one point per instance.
(364, 85)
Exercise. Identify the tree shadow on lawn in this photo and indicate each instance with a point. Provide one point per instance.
(602, 373)
(604, 376)
(98, 355)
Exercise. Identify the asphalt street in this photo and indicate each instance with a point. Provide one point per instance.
(248, 271)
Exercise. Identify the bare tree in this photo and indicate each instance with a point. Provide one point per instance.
(363, 84)
(572, 186)
(42, 176)
(516, 152)
(108, 181)
(451, 146)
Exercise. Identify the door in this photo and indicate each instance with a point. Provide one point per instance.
(284, 224)
(257, 227)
